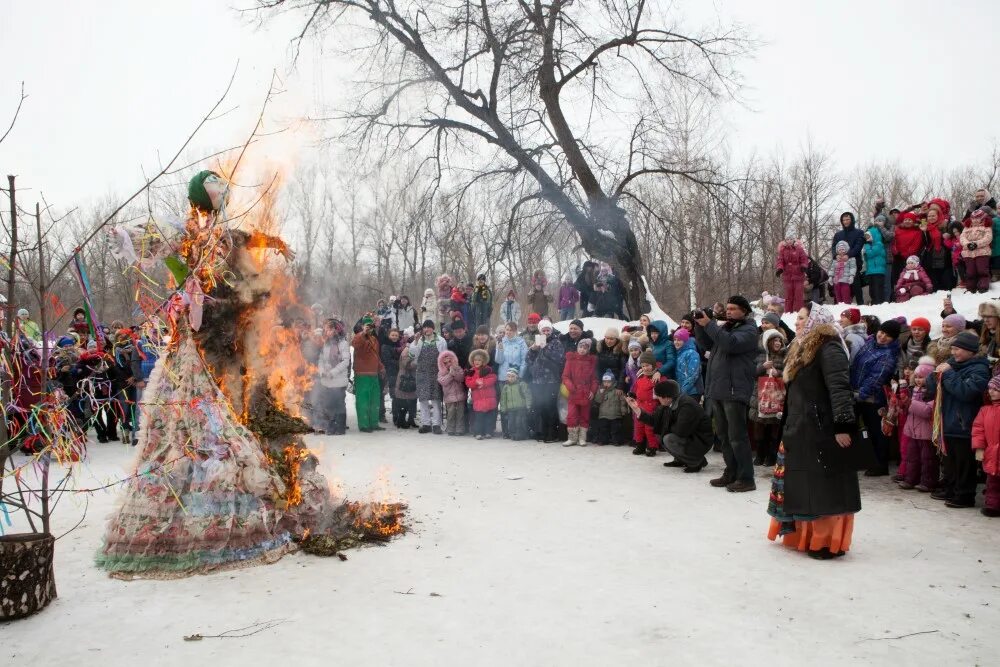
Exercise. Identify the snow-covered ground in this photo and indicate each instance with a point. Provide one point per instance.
(530, 554)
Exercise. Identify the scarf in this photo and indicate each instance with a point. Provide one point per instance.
(911, 274)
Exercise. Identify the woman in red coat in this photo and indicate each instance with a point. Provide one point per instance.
(790, 264)
(580, 379)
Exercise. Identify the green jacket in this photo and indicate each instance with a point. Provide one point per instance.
(515, 397)
(610, 404)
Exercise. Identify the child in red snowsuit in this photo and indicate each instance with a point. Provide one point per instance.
(644, 436)
(580, 379)
(791, 263)
(986, 443)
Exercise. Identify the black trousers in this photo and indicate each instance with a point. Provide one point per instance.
(607, 431)
(873, 422)
(544, 410)
(960, 469)
(876, 288)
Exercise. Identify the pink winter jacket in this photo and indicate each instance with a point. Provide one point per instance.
(986, 435)
(918, 420)
(982, 237)
(452, 380)
(909, 279)
(792, 261)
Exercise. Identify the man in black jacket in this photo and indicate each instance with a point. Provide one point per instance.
(730, 382)
(679, 420)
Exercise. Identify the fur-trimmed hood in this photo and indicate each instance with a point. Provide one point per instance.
(804, 349)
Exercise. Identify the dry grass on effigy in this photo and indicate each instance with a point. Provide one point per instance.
(367, 525)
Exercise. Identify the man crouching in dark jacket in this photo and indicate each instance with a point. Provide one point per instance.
(682, 424)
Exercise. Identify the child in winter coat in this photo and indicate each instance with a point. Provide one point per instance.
(538, 300)
(451, 377)
(580, 379)
(611, 407)
(481, 379)
(767, 427)
(790, 263)
(568, 298)
(875, 264)
(977, 244)
(913, 281)
(444, 284)
(986, 443)
(515, 402)
(842, 271)
(632, 367)
(643, 435)
(404, 398)
(921, 455)
(429, 307)
(510, 310)
(688, 368)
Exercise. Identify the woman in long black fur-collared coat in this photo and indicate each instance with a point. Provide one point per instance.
(814, 496)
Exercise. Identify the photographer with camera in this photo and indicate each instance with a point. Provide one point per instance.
(732, 347)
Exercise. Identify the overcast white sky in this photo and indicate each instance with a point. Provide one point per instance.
(112, 84)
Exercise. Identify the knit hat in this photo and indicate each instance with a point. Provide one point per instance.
(545, 324)
(65, 341)
(513, 371)
(428, 292)
(584, 344)
(923, 370)
(842, 247)
(682, 334)
(367, 319)
(667, 389)
(608, 375)
(740, 301)
(979, 215)
(578, 323)
(459, 325)
(994, 383)
(512, 293)
(481, 276)
(22, 313)
(890, 328)
(647, 357)
(479, 354)
(428, 324)
(966, 341)
(955, 320)
(483, 329)
(771, 319)
(634, 345)
(612, 333)
(534, 318)
(914, 260)
(852, 314)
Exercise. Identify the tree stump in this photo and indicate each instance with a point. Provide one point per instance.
(27, 574)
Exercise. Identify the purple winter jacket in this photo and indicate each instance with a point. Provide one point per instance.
(568, 296)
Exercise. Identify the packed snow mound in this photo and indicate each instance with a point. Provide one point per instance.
(928, 305)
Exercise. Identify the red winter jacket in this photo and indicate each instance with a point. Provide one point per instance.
(580, 377)
(909, 241)
(644, 393)
(792, 261)
(986, 435)
(482, 383)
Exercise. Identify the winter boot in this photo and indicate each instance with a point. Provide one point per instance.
(725, 480)
(640, 449)
(436, 430)
(424, 429)
(740, 486)
(572, 436)
(990, 512)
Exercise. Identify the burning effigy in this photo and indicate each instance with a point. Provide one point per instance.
(222, 476)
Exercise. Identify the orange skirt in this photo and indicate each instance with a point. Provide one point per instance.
(832, 532)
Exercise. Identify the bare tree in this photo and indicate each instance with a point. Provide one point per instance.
(518, 84)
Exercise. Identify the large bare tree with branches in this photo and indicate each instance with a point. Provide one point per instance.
(557, 99)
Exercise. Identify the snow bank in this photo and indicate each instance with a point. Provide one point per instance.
(598, 325)
(928, 306)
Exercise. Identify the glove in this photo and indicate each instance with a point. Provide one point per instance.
(902, 290)
(971, 246)
(980, 454)
(778, 273)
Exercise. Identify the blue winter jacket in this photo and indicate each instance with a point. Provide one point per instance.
(872, 368)
(962, 397)
(513, 353)
(663, 349)
(875, 252)
(689, 369)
